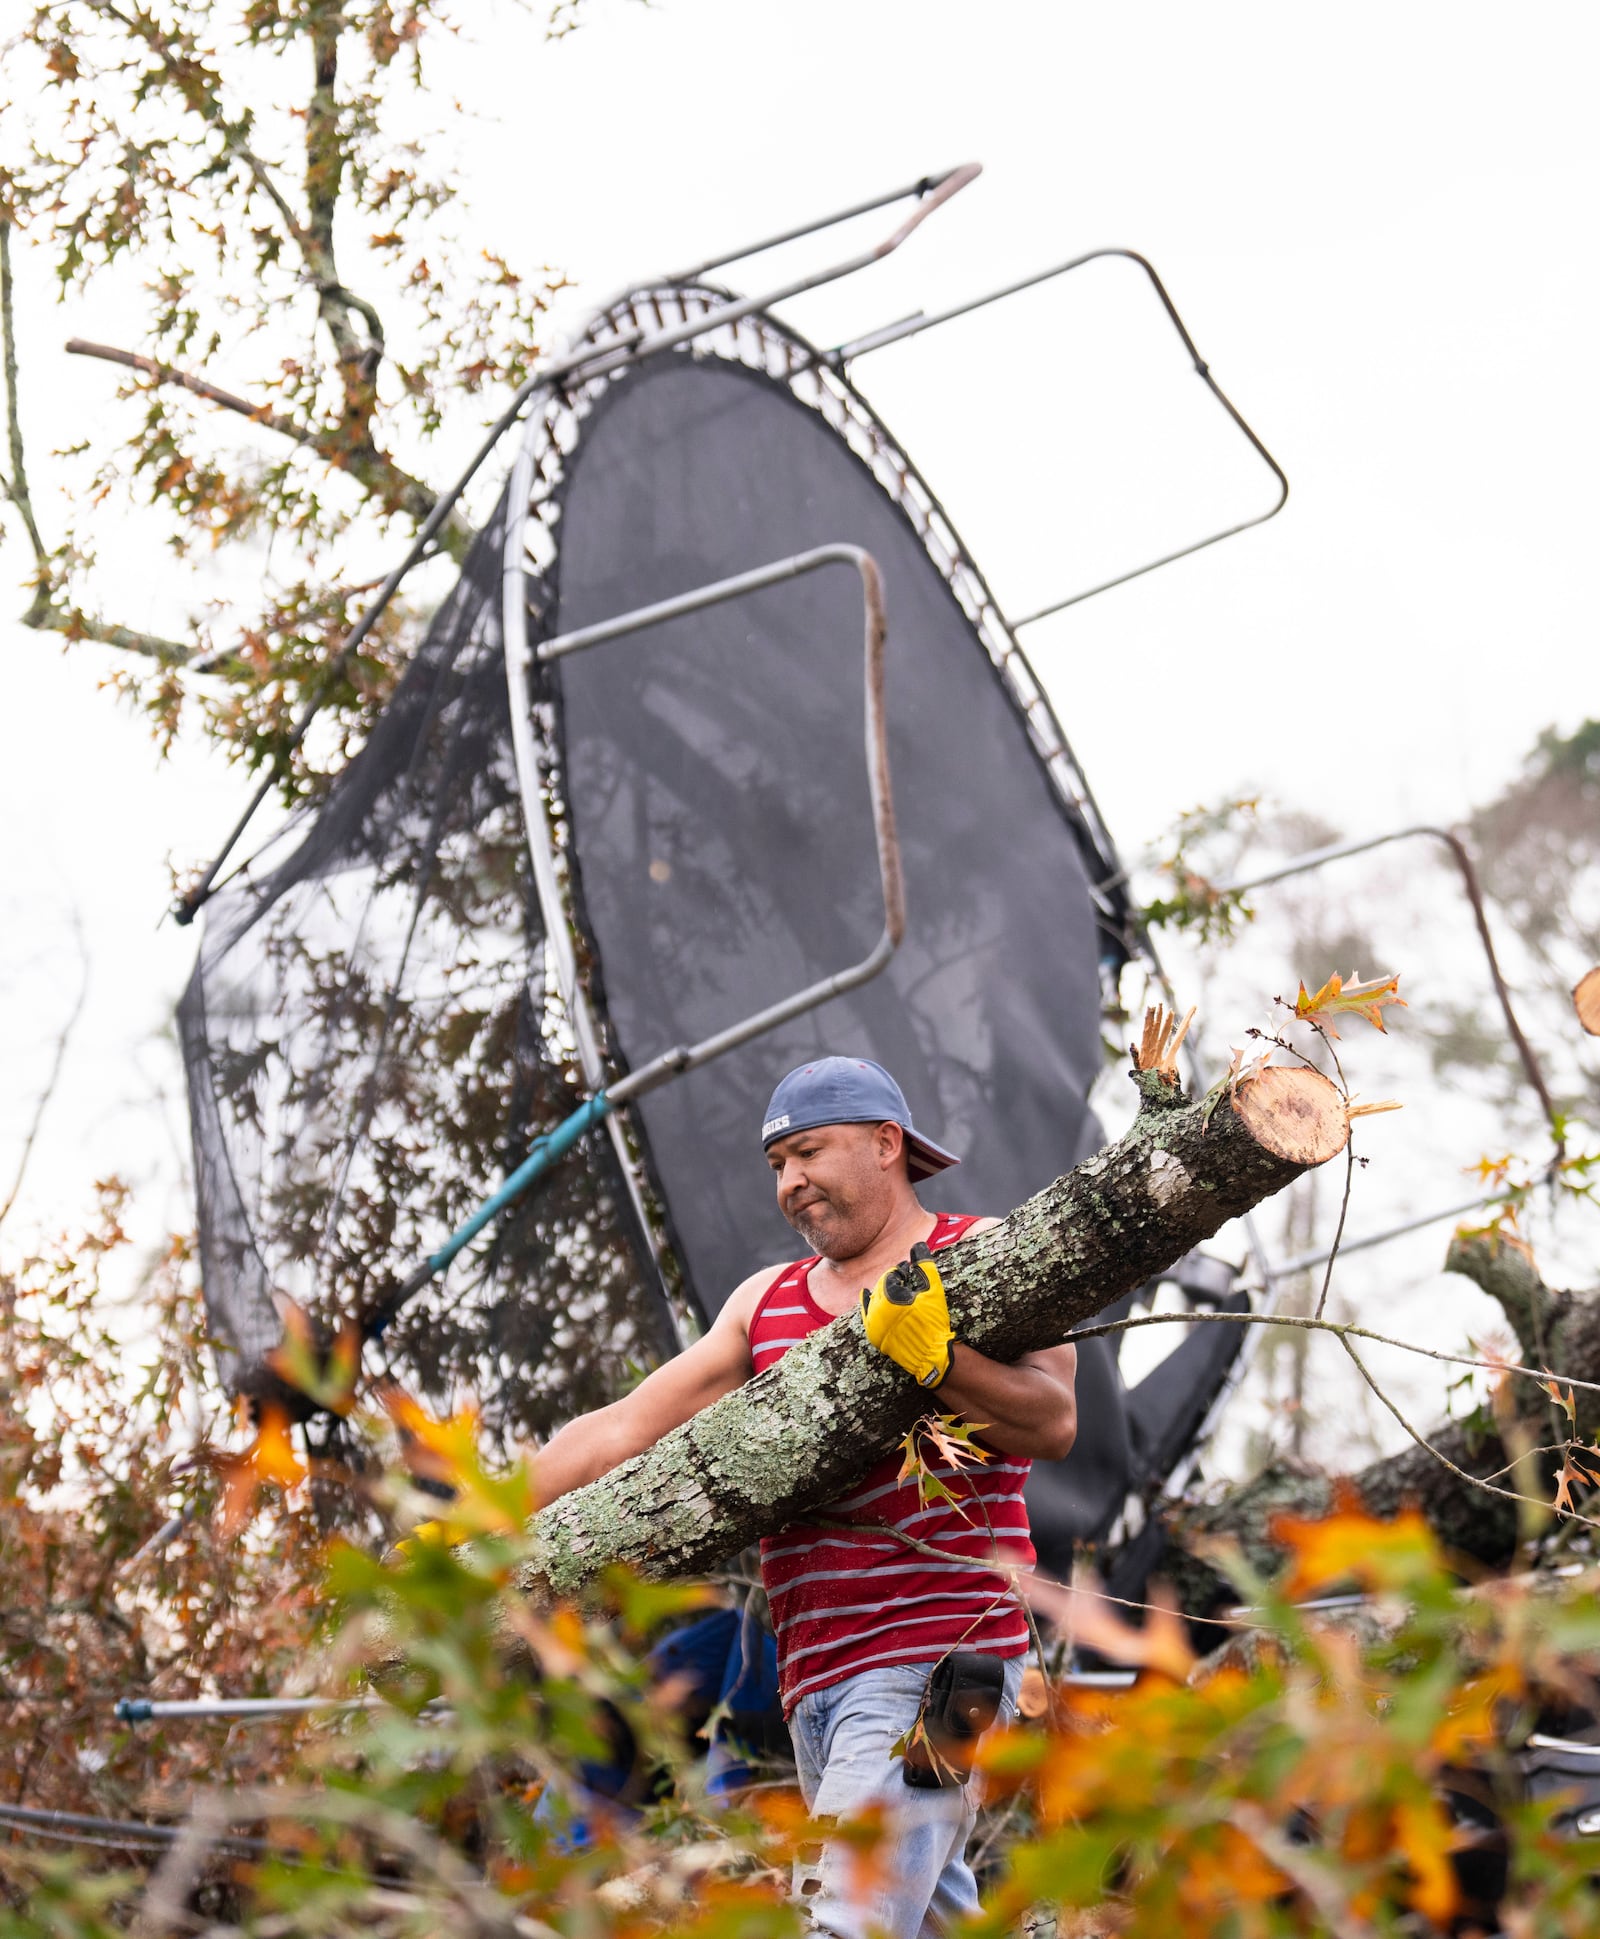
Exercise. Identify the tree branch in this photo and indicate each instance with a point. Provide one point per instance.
(348, 445)
(358, 361)
(1502, 1266)
(146, 30)
(16, 482)
(43, 614)
(74, 625)
(198, 386)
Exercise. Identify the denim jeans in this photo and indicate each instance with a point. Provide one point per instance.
(843, 1736)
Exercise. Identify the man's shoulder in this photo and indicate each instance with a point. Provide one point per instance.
(749, 1293)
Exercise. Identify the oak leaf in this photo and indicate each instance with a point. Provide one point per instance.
(1350, 1545)
(1341, 997)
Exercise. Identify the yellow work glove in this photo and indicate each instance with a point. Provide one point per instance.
(441, 1534)
(906, 1317)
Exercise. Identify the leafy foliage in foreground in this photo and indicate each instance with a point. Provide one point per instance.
(1318, 1777)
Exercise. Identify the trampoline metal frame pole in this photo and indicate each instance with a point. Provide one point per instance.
(927, 185)
(1273, 1275)
(911, 326)
(689, 1057)
(145, 1710)
(1460, 855)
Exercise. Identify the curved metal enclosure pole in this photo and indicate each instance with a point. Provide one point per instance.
(580, 366)
(601, 1105)
(685, 1057)
(144, 1710)
(535, 812)
(913, 326)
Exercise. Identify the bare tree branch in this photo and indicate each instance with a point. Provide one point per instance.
(74, 625)
(43, 614)
(212, 393)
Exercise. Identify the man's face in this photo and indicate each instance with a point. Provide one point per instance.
(836, 1184)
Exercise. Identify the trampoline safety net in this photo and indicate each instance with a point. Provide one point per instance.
(373, 1032)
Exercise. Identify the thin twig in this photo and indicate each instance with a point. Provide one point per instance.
(1488, 1487)
(1017, 1574)
(16, 484)
(1340, 1328)
(41, 1103)
(1338, 1231)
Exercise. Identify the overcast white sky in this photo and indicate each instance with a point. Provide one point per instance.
(1378, 223)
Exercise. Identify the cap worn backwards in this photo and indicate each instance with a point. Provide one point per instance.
(849, 1090)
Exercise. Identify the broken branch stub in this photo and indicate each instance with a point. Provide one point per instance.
(802, 1433)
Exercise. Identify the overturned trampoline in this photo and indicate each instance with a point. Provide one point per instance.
(720, 754)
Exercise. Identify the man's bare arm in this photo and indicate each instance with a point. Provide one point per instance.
(1029, 1408)
(596, 1443)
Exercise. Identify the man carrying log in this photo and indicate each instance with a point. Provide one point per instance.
(886, 1610)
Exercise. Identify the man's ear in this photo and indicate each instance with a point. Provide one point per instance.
(889, 1146)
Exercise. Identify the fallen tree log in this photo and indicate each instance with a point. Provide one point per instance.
(1555, 1330)
(798, 1435)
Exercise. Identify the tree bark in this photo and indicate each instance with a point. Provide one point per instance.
(800, 1434)
(1555, 1330)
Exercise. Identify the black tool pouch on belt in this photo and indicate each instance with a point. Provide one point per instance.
(963, 1700)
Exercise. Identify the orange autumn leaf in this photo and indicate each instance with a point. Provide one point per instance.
(1339, 997)
(1349, 1545)
(1425, 1835)
(1221, 1868)
(326, 1371)
(270, 1458)
(1089, 1617)
(1473, 1718)
(440, 1451)
(274, 1455)
(1578, 1467)
(784, 1819)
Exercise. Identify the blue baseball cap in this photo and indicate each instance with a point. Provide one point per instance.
(849, 1090)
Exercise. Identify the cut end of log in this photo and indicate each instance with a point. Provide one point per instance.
(1586, 1001)
(1295, 1113)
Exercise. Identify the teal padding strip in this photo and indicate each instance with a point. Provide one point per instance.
(546, 1151)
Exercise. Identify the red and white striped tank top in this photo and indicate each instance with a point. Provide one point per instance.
(843, 1600)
